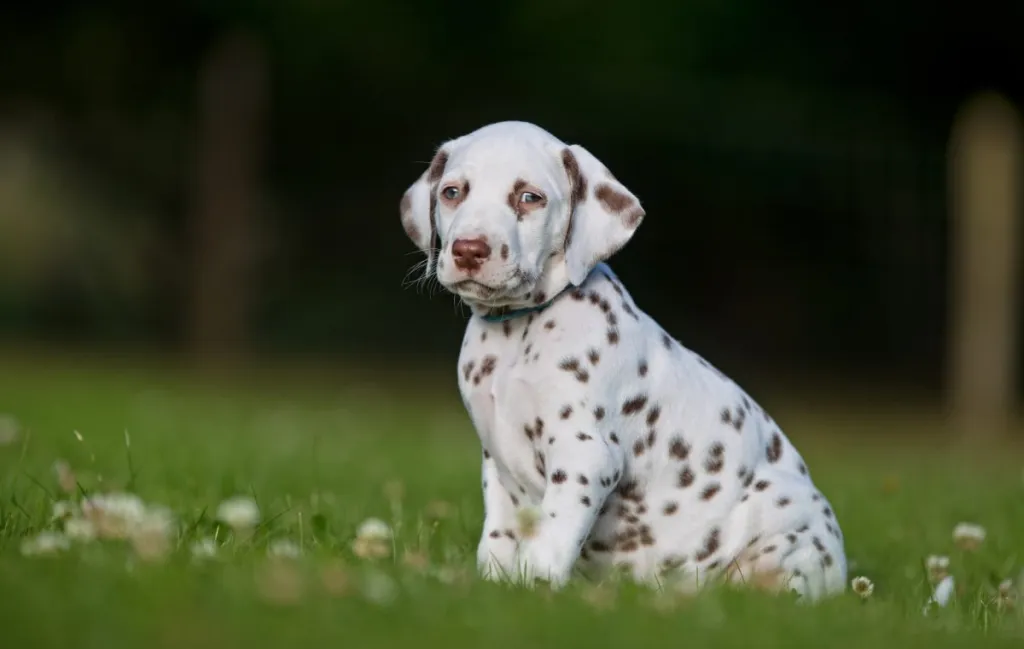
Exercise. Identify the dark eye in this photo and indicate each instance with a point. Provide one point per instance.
(530, 197)
(450, 193)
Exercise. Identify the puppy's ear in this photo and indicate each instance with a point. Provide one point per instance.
(603, 214)
(418, 208)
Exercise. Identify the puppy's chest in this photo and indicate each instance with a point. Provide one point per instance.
(498, 366)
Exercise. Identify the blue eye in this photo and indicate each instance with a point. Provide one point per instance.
(450, 193)
(530, 197)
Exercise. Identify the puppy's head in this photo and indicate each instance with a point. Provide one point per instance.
(509, 215)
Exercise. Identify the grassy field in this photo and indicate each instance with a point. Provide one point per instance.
(321, 456)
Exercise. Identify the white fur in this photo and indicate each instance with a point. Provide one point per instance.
(638, 453)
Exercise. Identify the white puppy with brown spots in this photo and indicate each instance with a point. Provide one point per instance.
(638, 454)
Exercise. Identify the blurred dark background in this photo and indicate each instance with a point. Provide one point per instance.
(223, 178)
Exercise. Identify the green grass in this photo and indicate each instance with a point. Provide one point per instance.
(320, 456)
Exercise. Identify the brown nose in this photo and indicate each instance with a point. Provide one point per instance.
(469, 254)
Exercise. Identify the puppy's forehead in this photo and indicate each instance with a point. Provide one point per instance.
(505, 152)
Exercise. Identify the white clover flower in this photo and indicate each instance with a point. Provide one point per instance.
(80, 530)
(239, 512)
(968, 536)
(374, 528)
(373, 539)
(938, 567)
(942, 594)
(863, 587)
(45, 543)
(284, 549)
(114, 515)
(151, 536)
(205, 548)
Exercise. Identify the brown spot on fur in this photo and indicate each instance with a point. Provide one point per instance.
(578, 191)
(634, 405)
(504, 251)
(783, 501)
(513, 195)
(585, 500)
(686, 477)
(583, 480)
(613, 336)
(666, 340)
(709, 491)
(583, 437)
(566, 412)
(762, 485)
(540, 297)
(642, 369)
(611, 199)
(573, 365)
(638, 448)
(679, 449)
(630, 491)
(614, 438)
(437, 166)
(494, 534)
(599, 413)
(594, 356)
(711, 544)
(670, 508)
(559, 476)
(713, 464)
(774, 450)
(653, 414)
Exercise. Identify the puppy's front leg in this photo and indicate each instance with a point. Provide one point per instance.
(582, 469)
(496, 552)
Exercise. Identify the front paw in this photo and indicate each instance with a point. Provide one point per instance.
(496, 558)
(544, 561)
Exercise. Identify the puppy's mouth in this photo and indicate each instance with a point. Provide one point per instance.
(471, 287)
(486, 295)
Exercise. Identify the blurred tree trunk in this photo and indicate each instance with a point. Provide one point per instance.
(229, 148)
(985, 181)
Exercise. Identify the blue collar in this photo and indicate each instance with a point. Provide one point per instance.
(502, 316)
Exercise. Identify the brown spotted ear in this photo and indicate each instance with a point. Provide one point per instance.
(603, 214)
(418, 207)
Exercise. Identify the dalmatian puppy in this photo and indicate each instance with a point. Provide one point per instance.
(632, 453)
